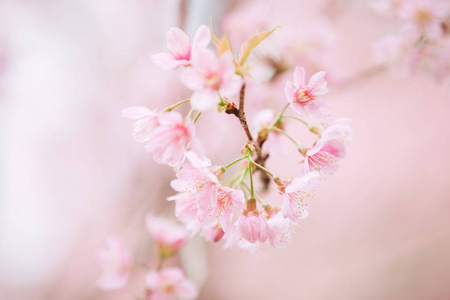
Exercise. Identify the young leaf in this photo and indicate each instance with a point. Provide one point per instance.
(222, 44)
(251, 44)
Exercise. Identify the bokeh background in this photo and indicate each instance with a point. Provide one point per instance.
(71, 174)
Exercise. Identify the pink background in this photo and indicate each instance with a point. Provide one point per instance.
(71, 174)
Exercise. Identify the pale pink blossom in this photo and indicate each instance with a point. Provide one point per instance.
(324, 157)
(172, 139)
(426, 15)
(197, 190)
(116, 264)
(254, 228)
(340, 130)
(179, 46)
(302, 97)
(147, 121)
(228, 202)
(281, 230)
(210, 76)
(296, 194)
(168, 236)
(170, 284)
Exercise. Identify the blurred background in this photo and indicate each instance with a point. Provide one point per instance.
(71, 174)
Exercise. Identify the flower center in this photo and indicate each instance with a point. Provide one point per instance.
(305, 96)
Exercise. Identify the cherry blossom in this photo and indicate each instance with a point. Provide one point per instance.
(197, 190)
(303, 98)
(170, 141)
(324, 157)
(179, 46)
(116, 264)
(254, 227)
(281, 230)
(228, 202)
(170, 284)
(169, 236)
(210, 78)
(296, 193)
(340, 130)
(147, 121)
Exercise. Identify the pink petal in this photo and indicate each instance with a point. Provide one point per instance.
(167, 61)
(136, 112)
(314, 109)
(186, 290)
(335, 148)
(170, 118)
(305, 183)
(205, 60)
(298, 108)
(178, 43)
(289, 91)
(202, 37)
(231, 86)
(299, 77)
(318, 82)
(204, 100)
(192, 79)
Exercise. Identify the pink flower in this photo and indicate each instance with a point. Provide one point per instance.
(281, 229)
(170, 284)
(147, 121)
(340, 130)
(426, 15)
(210, 76)
(169, 236)
(296, 193)
(179, 46)
(254, 228)
(173, 137)
(213, 233)
(197, 190)
(228, 201)
(303, 98)
(116, 263)
(324, 157)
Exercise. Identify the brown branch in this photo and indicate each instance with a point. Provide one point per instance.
(240, 114)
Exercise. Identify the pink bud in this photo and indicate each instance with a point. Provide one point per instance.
(254, 228)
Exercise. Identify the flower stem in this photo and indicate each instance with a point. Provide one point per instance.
(263, 203)
(189, 115)
(170, 108)
(235, 161)
(197, 116)
(262, 168)
(288, 136)
(278, 118)
(236, 182)
(250, 167)
(298, 119)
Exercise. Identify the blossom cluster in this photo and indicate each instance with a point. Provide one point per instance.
(209, 200)
(424, 42)
(168, 283)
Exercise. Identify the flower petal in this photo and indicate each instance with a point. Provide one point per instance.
(204, 100)
(178, 43)
(299, 77)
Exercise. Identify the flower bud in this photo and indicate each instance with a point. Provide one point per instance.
(254, 228)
